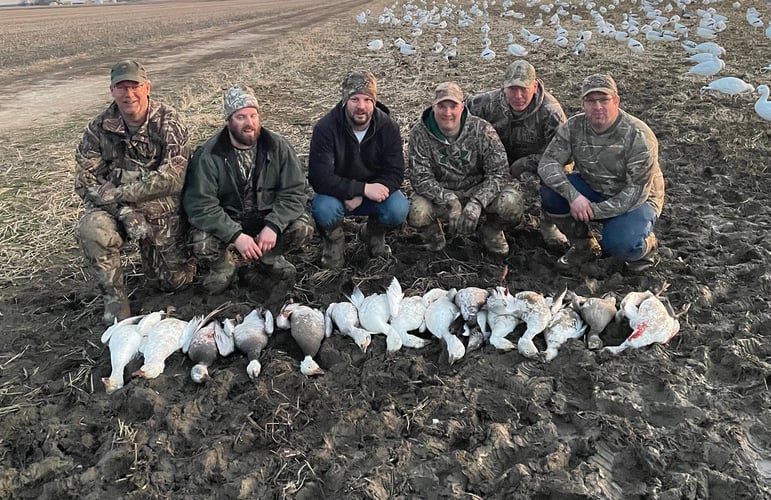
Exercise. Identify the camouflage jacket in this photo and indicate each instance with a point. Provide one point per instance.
(471, 166)
(214, 194)
(621, 163)
(525, 133)
(147, 168)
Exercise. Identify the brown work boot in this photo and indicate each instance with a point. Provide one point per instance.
(493, 238)
(116, 306)
(582, 251)
(372, 233)
(649, 260)
(552, 236)
(333, 246)
(220, 274)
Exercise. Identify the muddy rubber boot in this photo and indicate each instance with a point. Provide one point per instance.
(552, 236)
(373, 234)
(277, 267)
(220, 274)
(493, 238)
(333, 246)
(649, 260)
(116, 306)
(584, 246)
(433, 237)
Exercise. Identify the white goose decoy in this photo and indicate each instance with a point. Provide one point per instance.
(306, 326)
(729, 85)
(376, 311)
(565, 324)
(440, 315)
(710, 47)
(376, 44)
(125, 341)
(763, 105)
(251, 336)
(345, 316)
(487, 54)
(163, 340)
(700, 57)
(517, 50)
(708, 68)
(407, 49)
(635, 46)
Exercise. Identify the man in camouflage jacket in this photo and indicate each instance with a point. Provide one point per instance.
(617, 180)
(245, 189)
(458, 170)
(131, 165)
(526, 118)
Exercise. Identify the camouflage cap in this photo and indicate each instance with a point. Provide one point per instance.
(599, 83)
(127, 70)
(519, 74)
(359, 82)
(448, 91)
(239, 97)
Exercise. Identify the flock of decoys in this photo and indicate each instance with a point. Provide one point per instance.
(677, 21)
(463, 320)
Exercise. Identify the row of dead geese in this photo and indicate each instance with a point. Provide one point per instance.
(480, 315)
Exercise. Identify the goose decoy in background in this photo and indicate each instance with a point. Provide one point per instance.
(763, 105)
(306, 326)
(345, 316)
(729, 85)
(250, 337)
(376, 44)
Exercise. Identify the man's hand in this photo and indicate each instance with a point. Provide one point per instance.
(376, 192)
(469, 218)
(247, 247)
(581, 209)
(454, 210)
(134, 223)
(353, 203)
(266, 240)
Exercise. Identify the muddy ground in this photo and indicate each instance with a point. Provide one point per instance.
(689, 420)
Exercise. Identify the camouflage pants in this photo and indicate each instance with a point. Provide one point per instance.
(166, 260)
(208, 249)
(508, 206)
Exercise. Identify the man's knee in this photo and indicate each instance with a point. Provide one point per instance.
(421, 212)
(327, 210)
(98, 229)
(509, 204)
(205, 246)
(395, 210)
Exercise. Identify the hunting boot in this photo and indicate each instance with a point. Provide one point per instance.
(493, 238)
(584, 246)
(275, 265)
(649, 259)
(552, 236)
(433, 236)
(373, 234)
(116, 305)
(332, 246)
(221, 273)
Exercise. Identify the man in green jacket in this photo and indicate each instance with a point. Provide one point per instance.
(245, 190)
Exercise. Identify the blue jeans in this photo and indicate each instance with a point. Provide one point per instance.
(623, 236)
(328, 211)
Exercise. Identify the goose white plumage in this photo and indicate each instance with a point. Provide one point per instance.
(376, 311)
(729, 85)
(376, 44)
(440, 314)
(708, 68)
(411, 317)
(763, 105)
(125, 340)
(565, 324)
(345, 316)
(163, 340)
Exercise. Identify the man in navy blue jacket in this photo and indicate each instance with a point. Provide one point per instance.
(356, 167)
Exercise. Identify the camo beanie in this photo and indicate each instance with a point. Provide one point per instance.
(360, 82)
(238, 97)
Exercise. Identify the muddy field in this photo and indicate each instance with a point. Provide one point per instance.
(689, 420)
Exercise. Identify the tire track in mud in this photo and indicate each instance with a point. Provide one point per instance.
(77, 85)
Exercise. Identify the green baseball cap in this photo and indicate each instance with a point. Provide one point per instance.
(128, 70)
